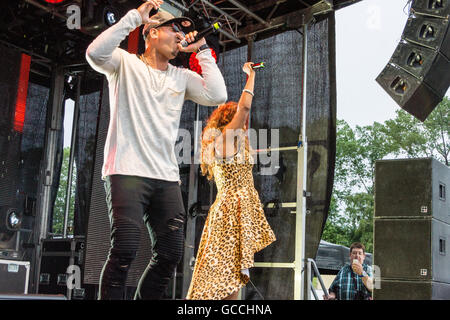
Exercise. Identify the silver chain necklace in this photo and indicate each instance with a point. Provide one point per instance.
(155, 82)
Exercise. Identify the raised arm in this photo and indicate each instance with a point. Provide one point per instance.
(366, 276)
(103, 54)
(225, 142)
(245, 101)
(208, 89)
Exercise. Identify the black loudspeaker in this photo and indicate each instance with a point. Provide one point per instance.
(437, 8)
(428, 32)
(412, 249)
(412, 188)
(412, 229)
(411, 94)
(418, 73)
(412, 290)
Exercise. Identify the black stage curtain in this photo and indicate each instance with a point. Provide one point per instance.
(9, 139)
(21, 153)
(84, 158)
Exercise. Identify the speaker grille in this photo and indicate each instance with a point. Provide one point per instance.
(438, 8)
(410, 93)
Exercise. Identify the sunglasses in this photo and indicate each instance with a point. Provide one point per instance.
(175, 27)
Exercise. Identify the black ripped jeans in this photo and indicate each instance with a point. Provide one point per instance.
(131, 201)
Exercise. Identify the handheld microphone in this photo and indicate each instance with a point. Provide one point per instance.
(212, 28)
(258, 65)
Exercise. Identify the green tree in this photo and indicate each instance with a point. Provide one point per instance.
(413, 138)
(350, 217)
(60, 202)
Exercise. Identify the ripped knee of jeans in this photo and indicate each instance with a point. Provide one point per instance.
(176, 223)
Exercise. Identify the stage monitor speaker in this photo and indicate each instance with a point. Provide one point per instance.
(412, 188)
(412, 249)
(418, 73)
(411, 290)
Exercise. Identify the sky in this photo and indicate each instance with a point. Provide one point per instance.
(367, 34)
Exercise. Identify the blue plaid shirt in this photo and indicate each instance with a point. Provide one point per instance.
(344, 284)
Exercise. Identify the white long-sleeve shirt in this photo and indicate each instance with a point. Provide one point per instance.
(144, 120)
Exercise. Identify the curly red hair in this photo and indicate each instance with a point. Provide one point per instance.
(215, 124)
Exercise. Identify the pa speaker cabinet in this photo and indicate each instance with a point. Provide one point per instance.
(425, 64)
(436, 8)
(411, 290)
(412, 249)
(412, 188)
(14, 276)
(417, 75)
(429, 32)
(409, 92)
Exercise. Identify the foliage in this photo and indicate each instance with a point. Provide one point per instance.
(60, 202)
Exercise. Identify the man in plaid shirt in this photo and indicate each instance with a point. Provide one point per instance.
(354, 281)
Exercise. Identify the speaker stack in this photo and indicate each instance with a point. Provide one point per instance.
(412, 229)
(418, 73)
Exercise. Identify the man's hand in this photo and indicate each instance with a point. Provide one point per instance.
(193, 47)
(357, 267)
(146, 7)
(331, 296)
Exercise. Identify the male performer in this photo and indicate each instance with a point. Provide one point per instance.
(140, 167)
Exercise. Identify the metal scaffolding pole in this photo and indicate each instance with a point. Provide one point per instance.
(45, 188)
(228, 16)
(189, 244)
(76, 116)
(302, 160)
(250, 13)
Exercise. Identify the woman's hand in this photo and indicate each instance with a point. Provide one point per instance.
(247, 68)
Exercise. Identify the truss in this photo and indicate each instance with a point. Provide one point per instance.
(241, 21)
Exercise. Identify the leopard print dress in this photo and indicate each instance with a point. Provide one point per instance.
(234, 230)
